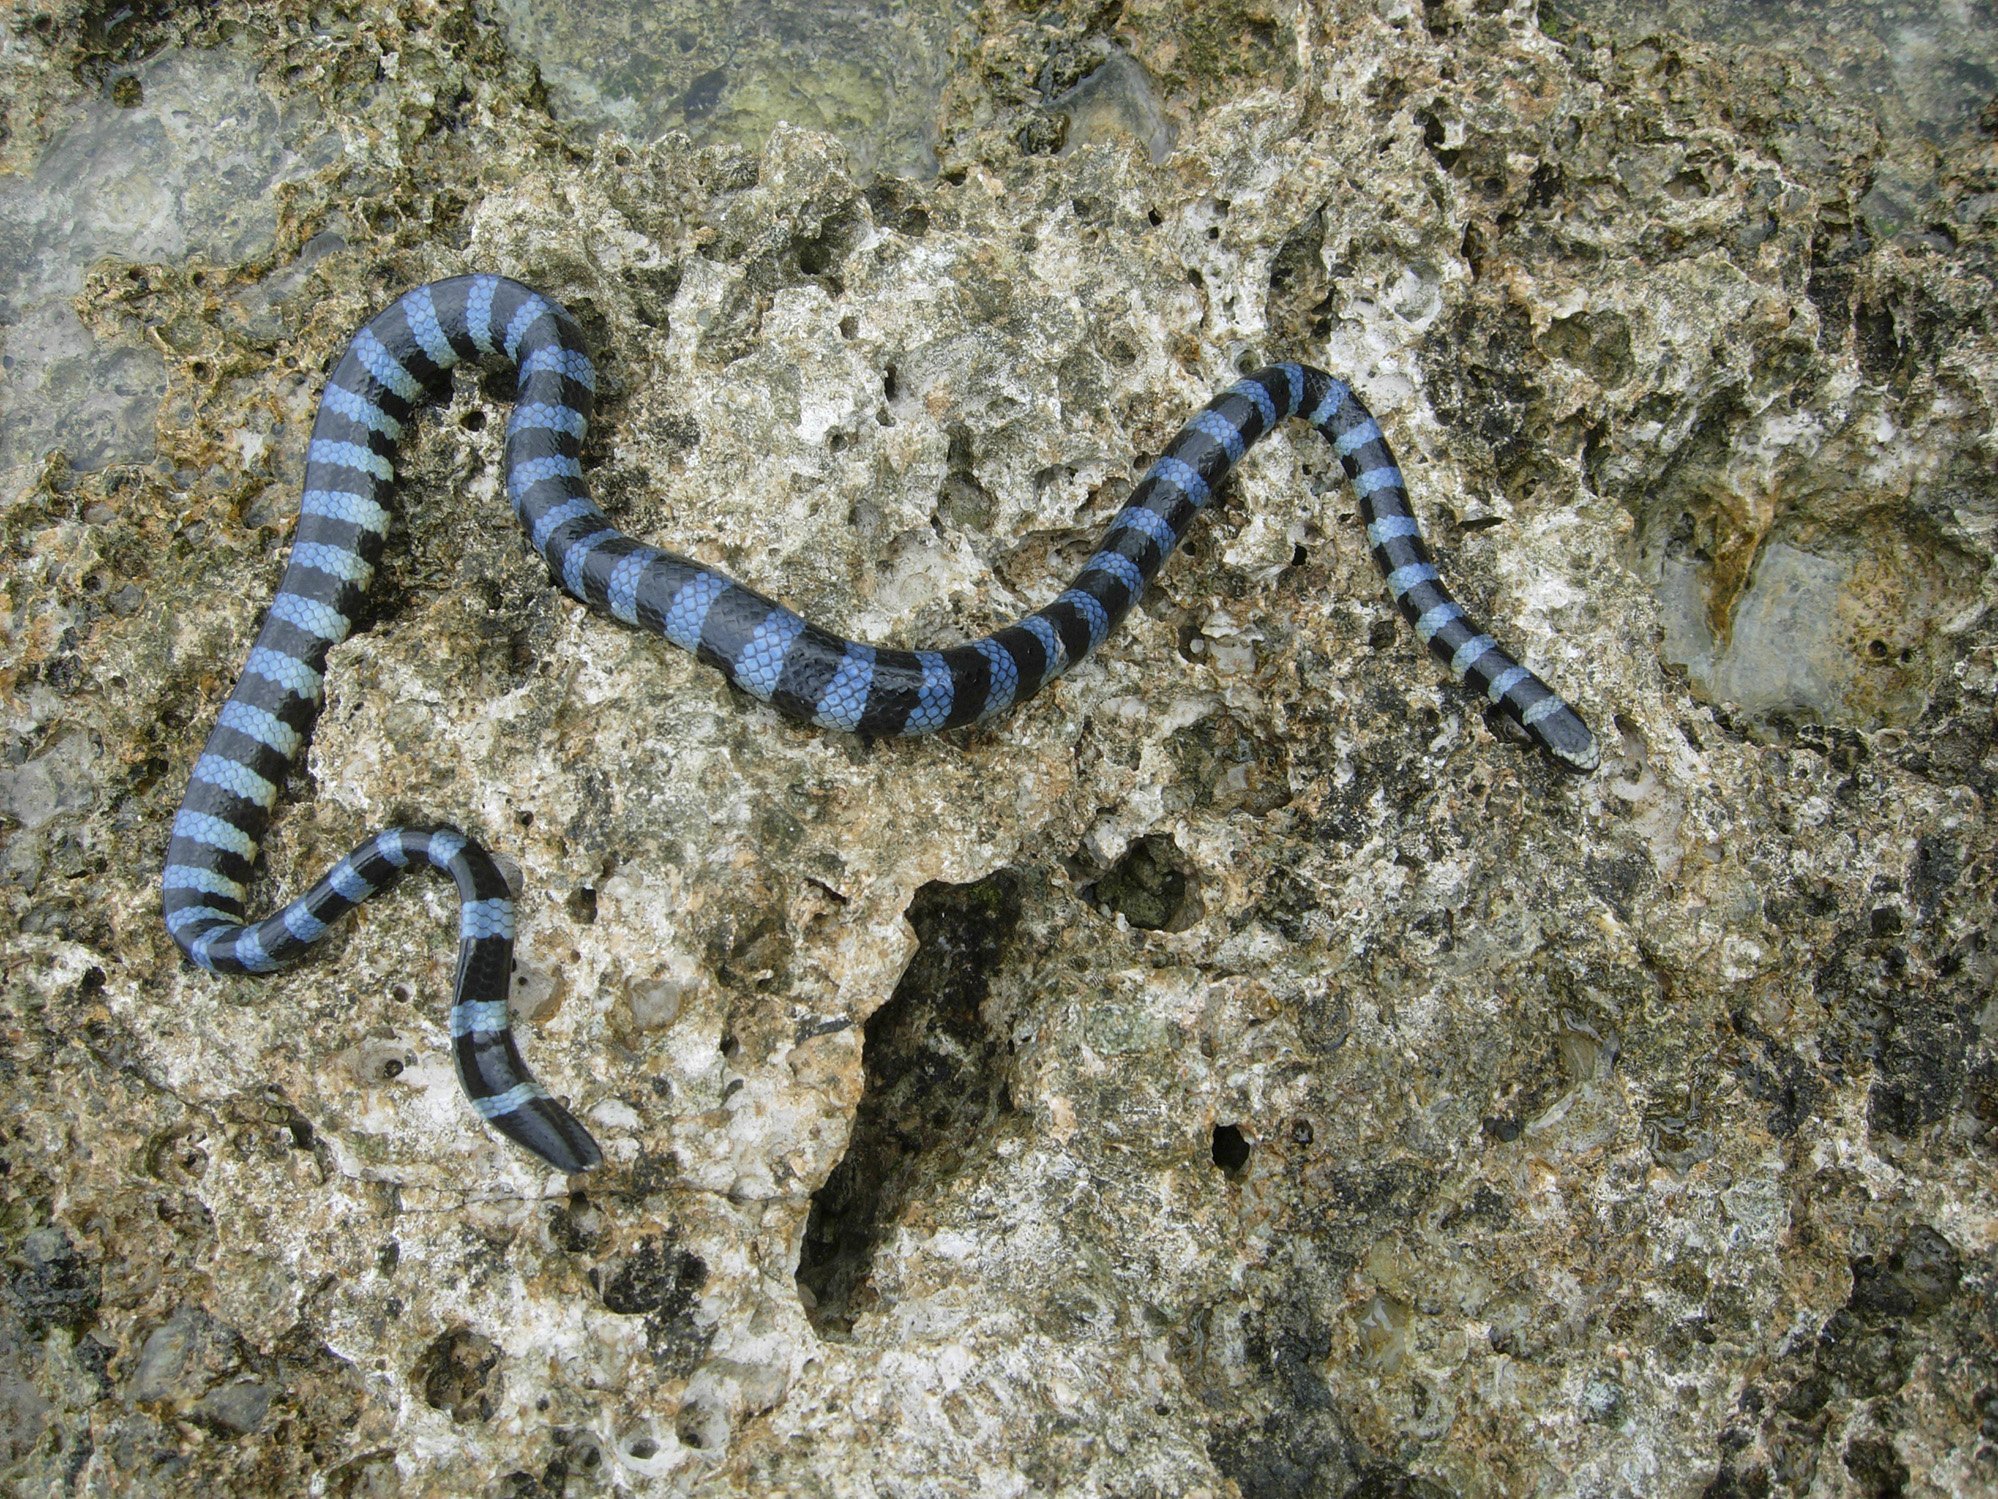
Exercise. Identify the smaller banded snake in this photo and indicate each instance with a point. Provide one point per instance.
(762, 647)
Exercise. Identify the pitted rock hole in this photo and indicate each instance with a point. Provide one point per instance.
(935, 1083)
(1150, 887)
(1231, 1148)
(702, 1426)
(458, 1373)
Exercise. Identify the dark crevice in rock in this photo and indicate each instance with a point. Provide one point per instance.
(935, 1084)
(963, 500)
(1150, 886)
(1299, 305)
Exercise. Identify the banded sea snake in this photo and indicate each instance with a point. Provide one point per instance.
(760, 646)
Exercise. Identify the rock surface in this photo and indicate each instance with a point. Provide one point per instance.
(1240, 1071)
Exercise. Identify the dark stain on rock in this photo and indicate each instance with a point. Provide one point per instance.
(661, 1282)
(459, 1374)
(49, 1284)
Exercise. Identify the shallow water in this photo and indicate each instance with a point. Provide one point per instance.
(1927, 70)
(869, 71)
(182, 165)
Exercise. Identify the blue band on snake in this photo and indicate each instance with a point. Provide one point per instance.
(763, 648)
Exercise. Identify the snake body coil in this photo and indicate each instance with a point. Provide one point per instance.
(759, 645)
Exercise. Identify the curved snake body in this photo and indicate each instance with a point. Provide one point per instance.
(762, 647)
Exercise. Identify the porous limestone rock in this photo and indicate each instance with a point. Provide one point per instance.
(1240, 1071)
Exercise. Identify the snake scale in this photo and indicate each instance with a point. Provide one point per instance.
(763, 648)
